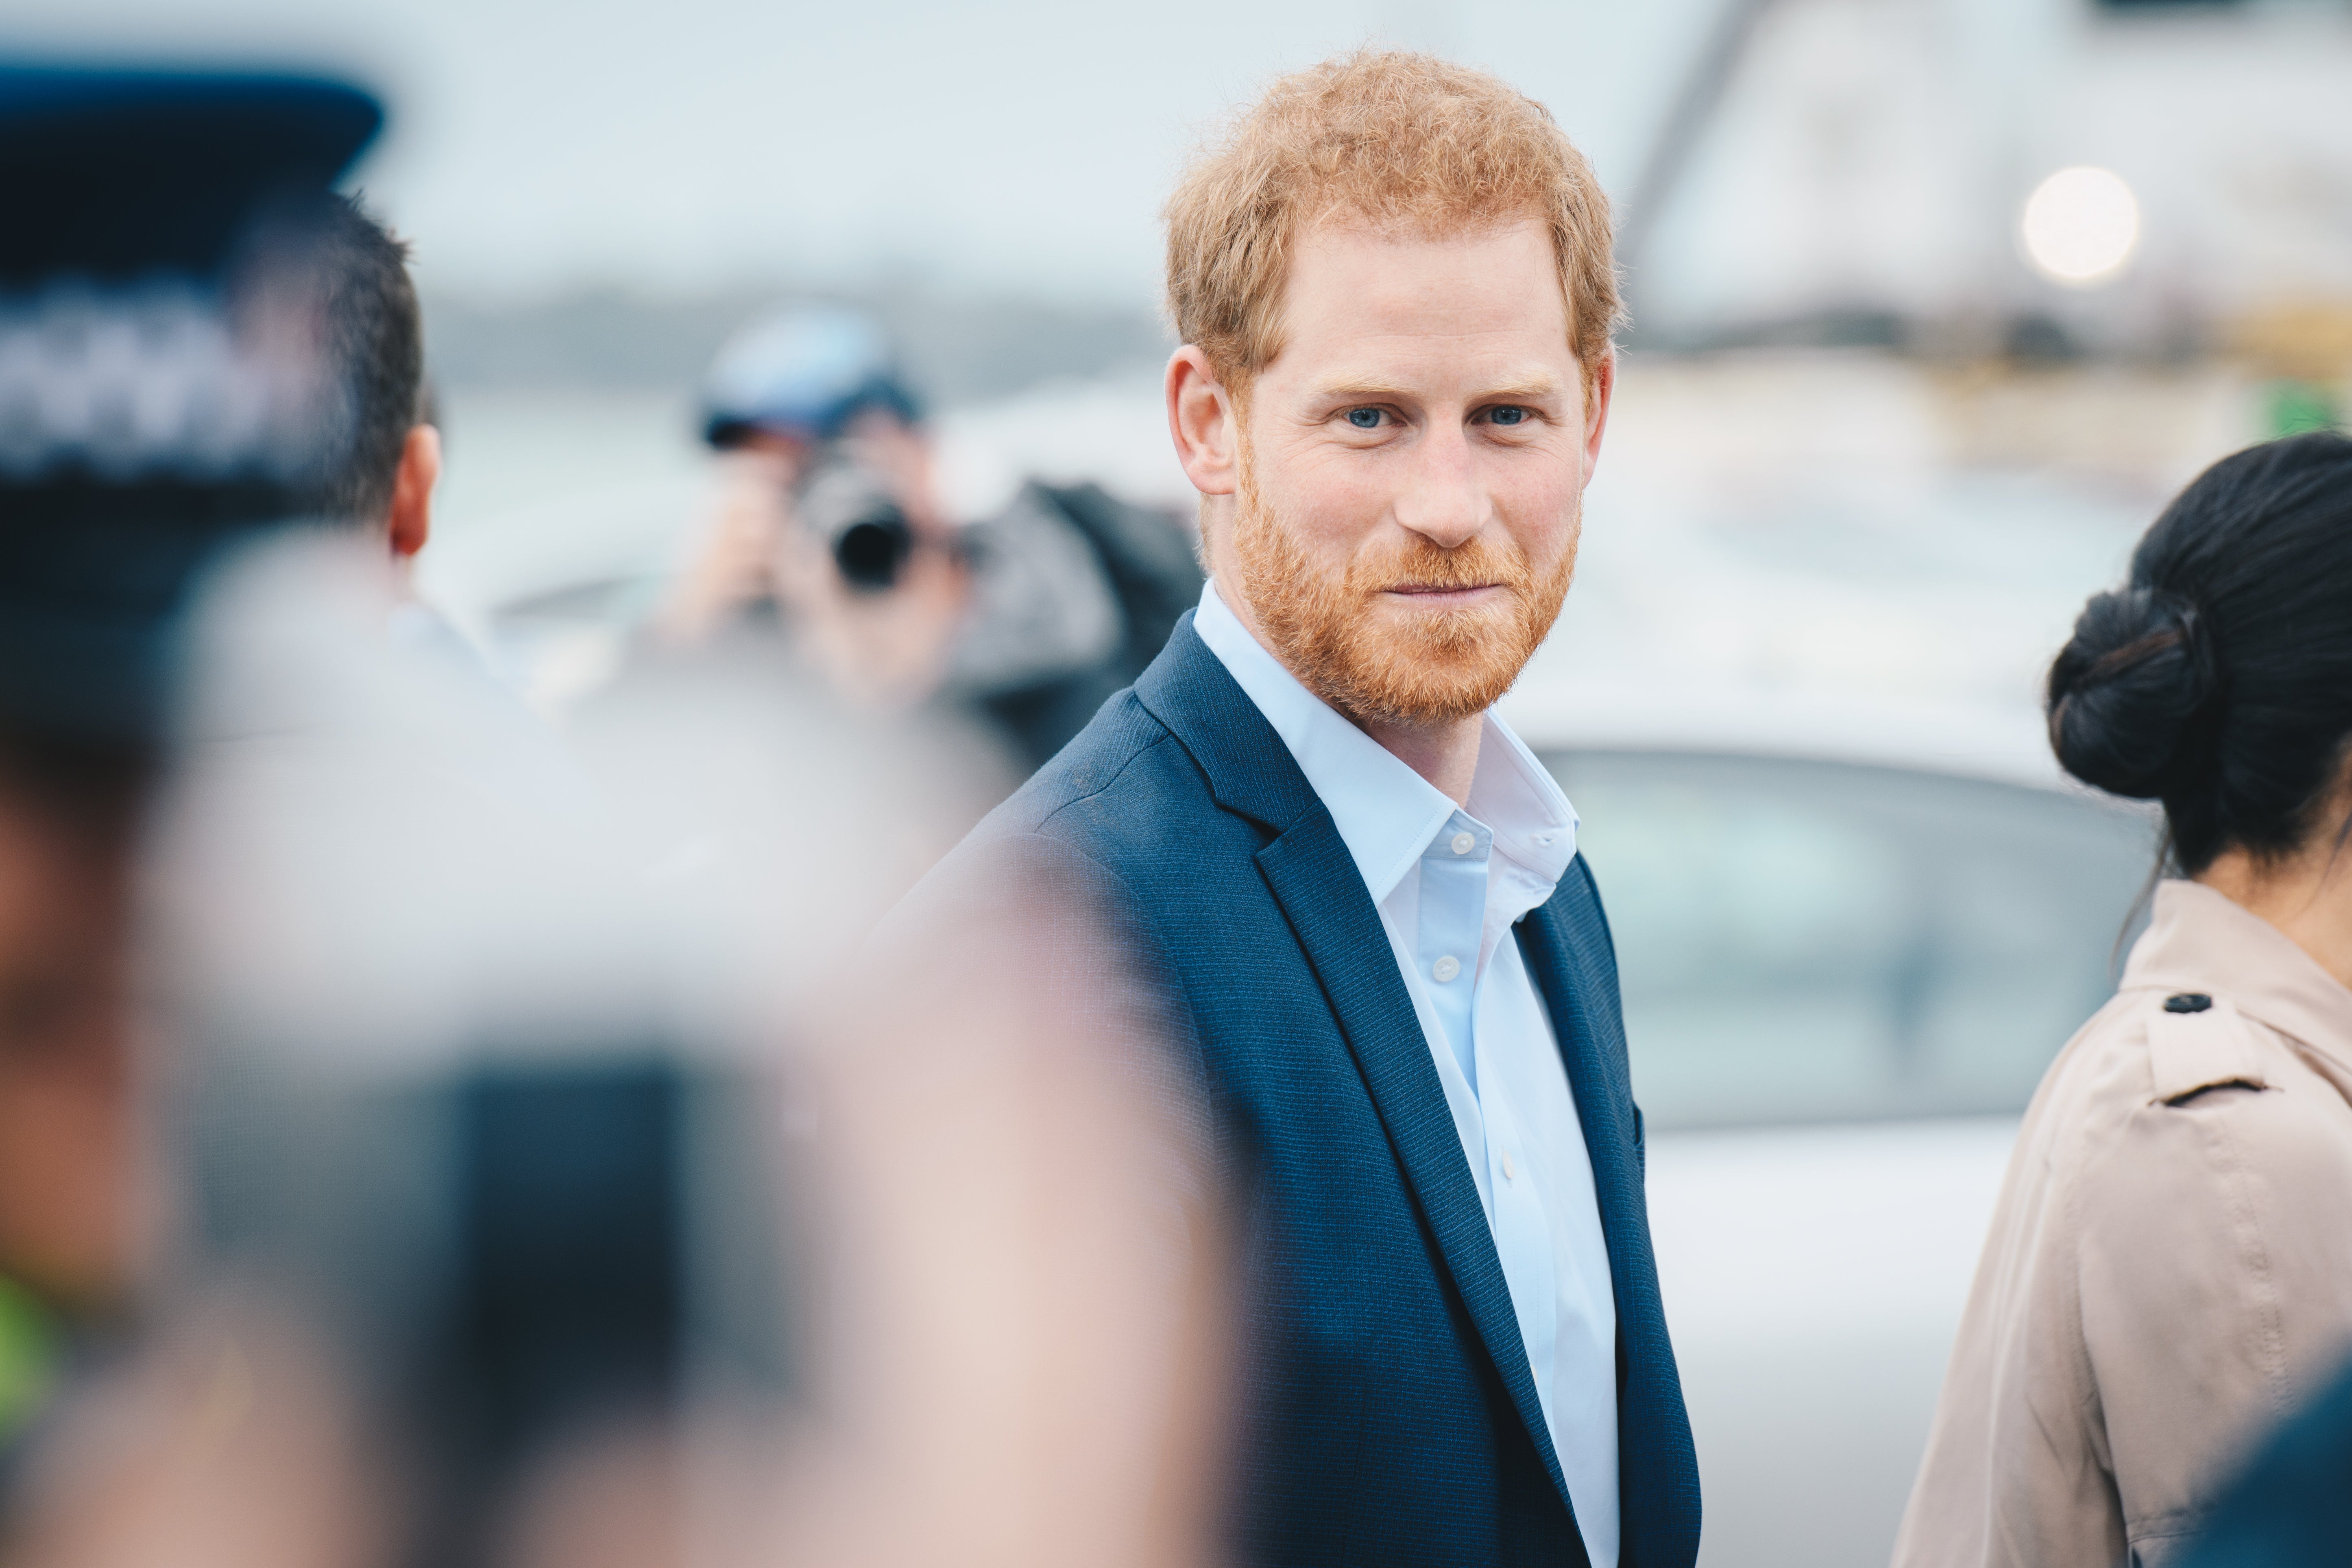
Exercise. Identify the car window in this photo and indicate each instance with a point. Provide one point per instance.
(1802, 941)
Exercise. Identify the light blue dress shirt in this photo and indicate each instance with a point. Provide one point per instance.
(1450, 884)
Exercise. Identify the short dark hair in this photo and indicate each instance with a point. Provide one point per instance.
(348, 275)
(2218, 678)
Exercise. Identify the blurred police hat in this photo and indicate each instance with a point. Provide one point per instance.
(803, 372)
(146, 416)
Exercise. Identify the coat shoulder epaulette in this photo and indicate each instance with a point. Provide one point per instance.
(2196, 1042)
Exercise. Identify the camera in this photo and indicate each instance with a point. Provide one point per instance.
(854, 511)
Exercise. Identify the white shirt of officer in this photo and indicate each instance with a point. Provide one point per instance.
(1450, 883)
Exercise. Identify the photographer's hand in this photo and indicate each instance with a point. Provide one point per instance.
(737, 565)
(889, 649)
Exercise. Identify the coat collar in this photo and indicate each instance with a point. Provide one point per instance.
(2198, 940)
(1250, 771)
(1386, 812)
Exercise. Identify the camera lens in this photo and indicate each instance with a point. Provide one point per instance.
(871, 552)
(854, 511)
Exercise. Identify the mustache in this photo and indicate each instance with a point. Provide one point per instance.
(1444, 661)
(1419, 563)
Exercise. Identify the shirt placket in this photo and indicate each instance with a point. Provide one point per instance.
(1454, 872)
(1452, 923)
(1523, 1244)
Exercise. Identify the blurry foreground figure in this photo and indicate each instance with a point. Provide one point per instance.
(832, 524)
(69, 1166)
(543, 1212)
(152, 412)
(2169, 1269)
(489, 1184)
(2293, 1508)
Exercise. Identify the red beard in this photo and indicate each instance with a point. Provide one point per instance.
(1381, 660)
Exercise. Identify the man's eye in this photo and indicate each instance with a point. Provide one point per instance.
(1364, 418)
(1507, 415)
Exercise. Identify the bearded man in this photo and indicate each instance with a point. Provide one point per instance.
(1358, 892)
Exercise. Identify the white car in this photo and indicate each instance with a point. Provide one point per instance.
(1850, 941)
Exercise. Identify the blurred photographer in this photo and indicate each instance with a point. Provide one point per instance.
(831, 528)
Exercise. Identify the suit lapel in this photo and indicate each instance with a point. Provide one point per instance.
(1307, 866)
(1604, 1106)
(1318, 886)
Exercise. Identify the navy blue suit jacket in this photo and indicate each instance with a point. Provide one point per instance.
(1388, 1415)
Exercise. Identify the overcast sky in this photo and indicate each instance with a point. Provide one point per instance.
(537, 147)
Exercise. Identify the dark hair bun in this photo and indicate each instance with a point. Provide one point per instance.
(2127, 690)
(2220, 681)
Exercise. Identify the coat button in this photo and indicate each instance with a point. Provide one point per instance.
(2187, 1002)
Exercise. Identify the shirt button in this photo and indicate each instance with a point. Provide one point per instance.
(1462, 843)
(1446, 968)
(1510, 1172)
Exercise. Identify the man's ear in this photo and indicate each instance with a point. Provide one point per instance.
(411, 490)
(1204, 422)
(1596, 412)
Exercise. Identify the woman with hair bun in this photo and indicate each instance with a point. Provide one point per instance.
(2169, 1268)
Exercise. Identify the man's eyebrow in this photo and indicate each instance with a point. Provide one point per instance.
(1530, 389)
(1534, 389)
(1356, 392)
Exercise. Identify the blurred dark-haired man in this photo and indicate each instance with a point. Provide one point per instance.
(339, 274)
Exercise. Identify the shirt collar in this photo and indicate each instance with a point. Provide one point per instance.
(1386, 812)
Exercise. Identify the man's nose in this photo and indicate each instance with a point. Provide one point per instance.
(1444, 499)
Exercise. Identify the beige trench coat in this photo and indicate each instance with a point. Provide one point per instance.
(2169, 1268)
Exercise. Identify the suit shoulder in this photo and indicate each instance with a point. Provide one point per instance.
(1089, 831)
(1094, 761)
(1124, 787)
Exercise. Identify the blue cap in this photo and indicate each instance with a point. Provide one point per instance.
(803, 372)
(138, 429)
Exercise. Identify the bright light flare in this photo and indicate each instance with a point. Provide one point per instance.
(2081, 226)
